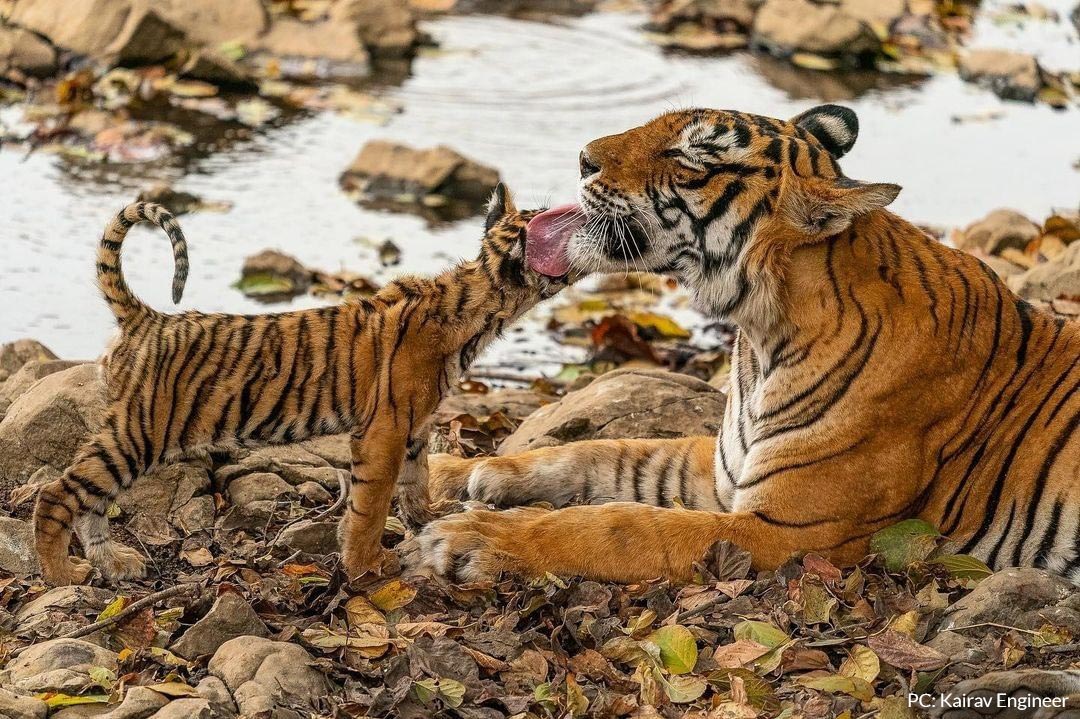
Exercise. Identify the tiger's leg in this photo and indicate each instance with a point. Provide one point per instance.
(413, 489)
(662, 472)
(621, 541)
(79, 500)
(377, 458)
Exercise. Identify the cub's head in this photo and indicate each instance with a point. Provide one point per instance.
(713, 196)
(503, 251)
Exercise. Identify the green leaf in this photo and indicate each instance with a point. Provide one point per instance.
(426, 690)
(262, 284)
(103, 677)
(963, 566)
(678, 648)
(113, 608)
(905, 543)
(761, 632)
(451, 691)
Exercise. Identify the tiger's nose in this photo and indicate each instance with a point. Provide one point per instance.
(588, 167)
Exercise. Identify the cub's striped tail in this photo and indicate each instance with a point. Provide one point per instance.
(123, 302)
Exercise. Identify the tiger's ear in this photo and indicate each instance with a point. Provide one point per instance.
(500, 205)
(822, 207)
(834, 126)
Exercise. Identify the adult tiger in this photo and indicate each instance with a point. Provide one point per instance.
(877, 375)
(376, 367)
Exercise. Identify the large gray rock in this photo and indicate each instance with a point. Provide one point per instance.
(51, 613)
(17, 555)
(388, 169)
(311, 537)
(230, 617)
(13, 355)
(165, 498)
(633, 403)
(1050, 280)
(1010, 597)
(58, 665)
(25, 377)
(785, 27)
(48, 422)
(265, 676)
(26, 52)
(214, 691)
(1010, 75)
(14, 706)
(187, 708)
(1018, 685)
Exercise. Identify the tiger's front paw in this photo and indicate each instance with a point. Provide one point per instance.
(475, 546)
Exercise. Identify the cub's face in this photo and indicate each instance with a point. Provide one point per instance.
(691, 192)
(504, 244)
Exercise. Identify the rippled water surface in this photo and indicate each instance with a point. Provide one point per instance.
(521, 96)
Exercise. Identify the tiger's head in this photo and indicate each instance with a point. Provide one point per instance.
(715, 198)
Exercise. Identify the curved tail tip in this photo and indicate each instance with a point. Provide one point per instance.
(177, 294)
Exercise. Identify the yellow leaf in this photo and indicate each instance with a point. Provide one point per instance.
(174, 689)
(113, 608)
(663, 326)
(361, 611)
(393, 595)
(56, 700)
(861, 662)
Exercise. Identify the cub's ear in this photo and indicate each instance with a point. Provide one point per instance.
(824, 207)
(500, 205)
(834, 126)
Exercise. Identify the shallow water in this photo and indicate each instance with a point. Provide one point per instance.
(523, 97)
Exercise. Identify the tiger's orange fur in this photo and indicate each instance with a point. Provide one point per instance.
(374, 367)
(877, 375)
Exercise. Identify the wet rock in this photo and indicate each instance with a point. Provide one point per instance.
(387, 28)
(17, 555)
(311, 537)
(1051, 280)
(210, 66)
(998, 231)
(13, 355)
(1006, 595)
(175, 201)
(387, 169)
(272, 276)
(26, 376)
(703, 25)
(13, 706)
(230, 617)
(624, 404)
(260, 673)
(145, 38)
(517, 404)
(1010, 75)
(784, 27)
(58, 665)
(334, 41)
(48, 422)
(26, 52)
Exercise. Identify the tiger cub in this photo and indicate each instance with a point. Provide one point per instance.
(375, 367)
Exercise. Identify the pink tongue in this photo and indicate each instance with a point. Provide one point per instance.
(548, 236)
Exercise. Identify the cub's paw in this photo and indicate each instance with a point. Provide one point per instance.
(474, 546)
(121, 562)
(69, 570)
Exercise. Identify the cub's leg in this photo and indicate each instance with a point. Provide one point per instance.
(377, 458)
(80, 500)
(621, 541)
(662, 472)
(413, 490)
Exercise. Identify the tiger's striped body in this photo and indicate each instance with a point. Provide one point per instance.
(878, 375)
(375, 367)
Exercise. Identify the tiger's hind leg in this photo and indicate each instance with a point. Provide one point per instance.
(79, 501)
